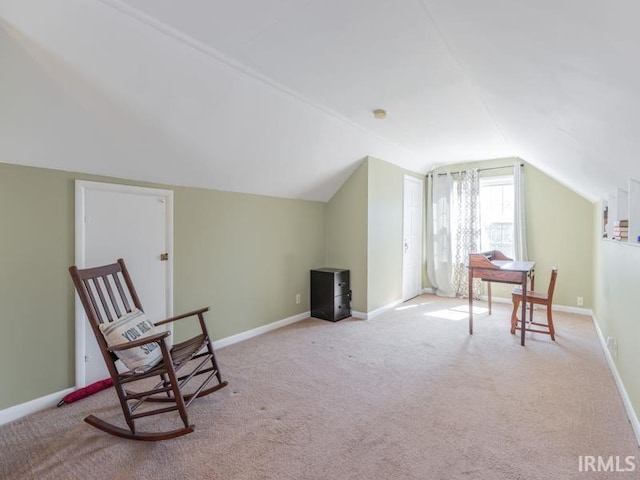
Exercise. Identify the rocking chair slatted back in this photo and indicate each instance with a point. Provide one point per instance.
(99, 283)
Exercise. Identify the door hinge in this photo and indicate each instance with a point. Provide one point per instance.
(164, 256)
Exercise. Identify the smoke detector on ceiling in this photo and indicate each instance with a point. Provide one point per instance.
(380, 114)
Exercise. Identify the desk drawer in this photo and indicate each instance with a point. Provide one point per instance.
(342, 307)
(498, 276)
(341, 280)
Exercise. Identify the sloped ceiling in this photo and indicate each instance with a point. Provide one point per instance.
(276, 98)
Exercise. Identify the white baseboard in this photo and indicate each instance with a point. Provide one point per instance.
(254, 332)
(18, 411)
(554, 307)
(568, 309)
(631, 413)
(376, 312)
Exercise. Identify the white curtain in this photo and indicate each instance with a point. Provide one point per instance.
(467, 230)
(453, 229)
(439, 256)
(519, 221)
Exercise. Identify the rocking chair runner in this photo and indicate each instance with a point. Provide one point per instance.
(108, 295)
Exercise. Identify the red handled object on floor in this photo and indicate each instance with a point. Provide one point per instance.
(86, 391)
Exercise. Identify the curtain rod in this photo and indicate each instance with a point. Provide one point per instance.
(479, 169)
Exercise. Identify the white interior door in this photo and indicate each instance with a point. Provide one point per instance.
(412, 238)
(133, 223)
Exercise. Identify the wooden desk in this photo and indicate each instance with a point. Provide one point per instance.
(496, 267)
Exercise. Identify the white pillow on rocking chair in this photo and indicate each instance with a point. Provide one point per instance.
(129, 327)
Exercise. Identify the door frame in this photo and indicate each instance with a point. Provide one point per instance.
(81, 189)
(420, 183)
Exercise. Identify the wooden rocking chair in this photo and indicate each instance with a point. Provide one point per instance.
(109, 299)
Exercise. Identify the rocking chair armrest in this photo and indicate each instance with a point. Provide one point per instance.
(184, 315)
(157, 338)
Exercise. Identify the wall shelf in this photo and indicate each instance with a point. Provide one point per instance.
(625, 205)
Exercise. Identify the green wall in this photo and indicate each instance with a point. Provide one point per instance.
(615, 285)
(347, 233)
(560, 233)
(246, 255)
(229, 248)
(384, 283)
(36, 301)
(364, 233)
(385, 232)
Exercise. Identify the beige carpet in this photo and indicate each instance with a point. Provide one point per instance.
(406, 395)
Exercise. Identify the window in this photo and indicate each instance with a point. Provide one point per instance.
(496, 214)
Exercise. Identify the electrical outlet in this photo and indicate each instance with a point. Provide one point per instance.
(580, 301)
(297, 298)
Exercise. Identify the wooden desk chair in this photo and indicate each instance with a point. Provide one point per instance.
(538, 298)
(123, 332)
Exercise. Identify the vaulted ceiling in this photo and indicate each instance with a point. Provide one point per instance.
(276, 98)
